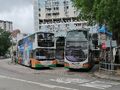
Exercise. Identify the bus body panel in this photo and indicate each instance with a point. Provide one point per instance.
(77, 52)
(38, 64)
(37, 52)
(77, 65)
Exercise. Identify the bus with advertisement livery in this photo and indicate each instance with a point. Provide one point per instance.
(77, 50)
(37, 50)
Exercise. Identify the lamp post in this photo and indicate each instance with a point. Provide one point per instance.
(11, 48)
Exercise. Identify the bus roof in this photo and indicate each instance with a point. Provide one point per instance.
(83, 29)
(35, 33)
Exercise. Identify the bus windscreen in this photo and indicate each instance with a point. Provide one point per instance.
(45, 40)
(76, 49)
(77, 36)
(45, 54)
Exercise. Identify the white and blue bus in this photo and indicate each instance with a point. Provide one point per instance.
(77, 50)
(37, 50)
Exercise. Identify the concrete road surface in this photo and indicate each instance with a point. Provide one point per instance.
(18, 77)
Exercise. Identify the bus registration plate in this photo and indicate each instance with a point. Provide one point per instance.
(75, 65)
(46, 63)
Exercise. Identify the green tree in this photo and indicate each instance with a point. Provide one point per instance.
(5, 42)
(102, 12)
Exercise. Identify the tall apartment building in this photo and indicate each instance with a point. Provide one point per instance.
(56, 16)
(6, 25)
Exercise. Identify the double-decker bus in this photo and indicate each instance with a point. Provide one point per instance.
(95, 46)
(77, 51)
(37, 50)
(59, 54)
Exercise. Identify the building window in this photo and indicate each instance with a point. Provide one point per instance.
(39, 15)
(65, 2)
(40, 21)
(57, 13)
(74, 12)
(48, 9)
(48, 14)
(39, 27)
(67, 7)
(67, 25)
(56, 8)
(55, 3)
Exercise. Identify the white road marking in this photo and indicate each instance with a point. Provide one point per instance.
(37, 83)
(60, 81)
(109, 82)
(86, 83)
(70, 80)
(100, 84)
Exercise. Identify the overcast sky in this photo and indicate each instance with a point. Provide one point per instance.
(20, 12)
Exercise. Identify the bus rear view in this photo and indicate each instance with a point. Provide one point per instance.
(77, 50)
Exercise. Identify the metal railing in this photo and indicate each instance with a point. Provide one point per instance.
(109, 68)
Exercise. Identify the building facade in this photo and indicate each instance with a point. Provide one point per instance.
(56, 16)
(6, 25)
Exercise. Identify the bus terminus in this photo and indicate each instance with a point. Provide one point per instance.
(77, 52)
(37, 50)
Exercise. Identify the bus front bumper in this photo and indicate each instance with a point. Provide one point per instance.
(77, 66)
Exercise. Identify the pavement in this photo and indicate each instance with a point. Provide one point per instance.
(108, 75)
(6, 63)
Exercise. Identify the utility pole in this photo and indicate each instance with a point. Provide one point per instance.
(12, 45)
(12, 48)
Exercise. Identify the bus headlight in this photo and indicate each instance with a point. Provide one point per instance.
(86, 65)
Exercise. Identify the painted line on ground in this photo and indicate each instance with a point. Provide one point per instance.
(70, 80)
(37, 83)
(86, 83)
(100, 84)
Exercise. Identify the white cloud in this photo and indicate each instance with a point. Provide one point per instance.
(8, 5)
(21, 14)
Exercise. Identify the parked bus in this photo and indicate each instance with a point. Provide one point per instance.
(59, 55)
(95, 46)
(37, 50)
(77, 52)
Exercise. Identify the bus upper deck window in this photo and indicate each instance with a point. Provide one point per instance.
(40, 36)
